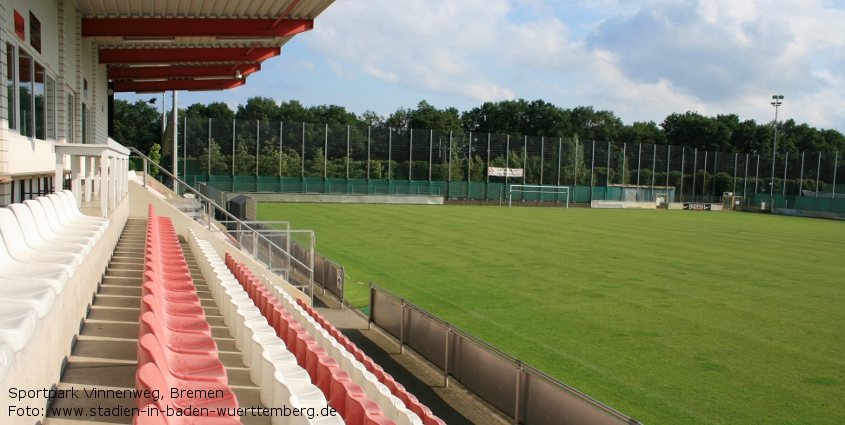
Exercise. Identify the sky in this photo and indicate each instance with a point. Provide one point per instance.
(643, 60)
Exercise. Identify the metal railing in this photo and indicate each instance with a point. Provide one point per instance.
(242, 234)
(522, 392)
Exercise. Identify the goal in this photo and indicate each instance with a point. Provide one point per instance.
(553, 192)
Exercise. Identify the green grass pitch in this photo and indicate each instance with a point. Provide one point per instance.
(671, 317)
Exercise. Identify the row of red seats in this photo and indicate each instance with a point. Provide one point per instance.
(385, 378)
(345, 396)
(180, 378)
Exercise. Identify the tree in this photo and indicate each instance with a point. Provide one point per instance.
(155, 156)
(259, 108)
(137, 125)
(697, 131)
(429, 117)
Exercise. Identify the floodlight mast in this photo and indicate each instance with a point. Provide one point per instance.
(777, 102)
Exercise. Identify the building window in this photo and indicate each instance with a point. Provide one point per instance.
(71, 114)
(10, 86)
(84, 89)
(25, 93)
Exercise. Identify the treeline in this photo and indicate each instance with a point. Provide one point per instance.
(139, 124)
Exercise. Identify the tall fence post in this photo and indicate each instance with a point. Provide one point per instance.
(326, 154)
(607, 174)
(281, 144)
(208, 170)
(469, 162)
(257, 147)
(668, 160)
(833, 192)
(575, 176)
(302, 159)
(518, 392)
(410, 155)
(745, 179)
(736, 163)
(347, 152)
(369, 137)
(390, 154)
(639, 159)
(783, 183)
(507, 159)
(449, 174)
(234, 124)
(715, 164)
(683, 160)
(525, 161)
(542, 156)
(801, 179)
(653, 168)
(446, 360)
(430, 157)
(694, 166)
(757, 174)
(488, 157)
(818, 173)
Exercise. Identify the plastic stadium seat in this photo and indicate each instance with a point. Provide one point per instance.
(38, 296)
(150, 376)
(69, 221)
(195, 324)
(374, 416)
(17, 324)
(188, 367)
(34, 240)
(47, 210)
(55, 275)
(18, 244)
(179, 342)
(29, 220)
(70, 201)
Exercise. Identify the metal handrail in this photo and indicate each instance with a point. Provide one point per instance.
(507, 357)
(213, 204)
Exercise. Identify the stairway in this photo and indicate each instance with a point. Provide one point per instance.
(104, 356)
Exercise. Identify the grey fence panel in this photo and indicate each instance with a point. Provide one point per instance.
(544, 403)
(319, 270)
(426, 336)
(489, 376)
(386, 312)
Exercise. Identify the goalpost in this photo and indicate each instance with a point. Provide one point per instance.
(550, 190)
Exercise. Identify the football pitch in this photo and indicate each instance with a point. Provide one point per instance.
(671, 317)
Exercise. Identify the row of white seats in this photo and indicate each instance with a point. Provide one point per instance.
(392, 406)
(44, 241)
(282, 381)
(265, 336)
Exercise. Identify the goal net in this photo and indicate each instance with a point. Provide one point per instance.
(540, 193)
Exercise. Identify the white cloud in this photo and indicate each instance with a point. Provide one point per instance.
(641, 59)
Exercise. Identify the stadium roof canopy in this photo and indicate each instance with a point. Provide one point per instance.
(155, 46)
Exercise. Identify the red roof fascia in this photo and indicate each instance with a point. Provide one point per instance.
(187, 55)
(226, 71)
(193, 27)
(190, 85)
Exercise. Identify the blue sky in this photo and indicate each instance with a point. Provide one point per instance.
(641, 59)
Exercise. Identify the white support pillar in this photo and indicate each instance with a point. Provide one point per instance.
(76, 173)
(104, 184)
(91, 163)
(60, 174)
(112, 181)
(97, 171)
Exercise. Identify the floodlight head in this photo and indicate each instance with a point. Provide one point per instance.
(238, 75)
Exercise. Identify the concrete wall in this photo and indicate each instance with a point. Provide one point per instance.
(40, 364)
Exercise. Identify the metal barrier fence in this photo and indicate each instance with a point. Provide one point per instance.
(243, 235)
(214, 149)
(520, 391)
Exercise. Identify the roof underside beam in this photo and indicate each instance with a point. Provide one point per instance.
(141, 28)
(184, 71)
(187, 55)
(190, 85)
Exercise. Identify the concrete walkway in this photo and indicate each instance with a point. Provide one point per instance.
(454, 404)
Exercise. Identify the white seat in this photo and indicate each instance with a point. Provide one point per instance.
(71, 221)
(251, 327)
(30, 219)
(17, 324)
(7, 359)
(10, 268)
(70, 203)
(271, 357)
(49, 211)
(18, 249)
(38, 296)
(32, 239)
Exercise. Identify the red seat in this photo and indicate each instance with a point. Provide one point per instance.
(177, 323)
(337, 390)
(303, 339)
(150, 376)
(180, 342)
(326, 366)
(356, 407)
(373, 415)
(188, 367)
(432, 420)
